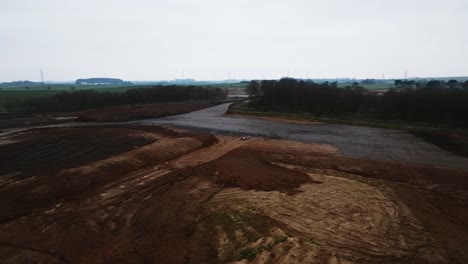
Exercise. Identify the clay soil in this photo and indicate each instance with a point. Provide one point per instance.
(154, 195)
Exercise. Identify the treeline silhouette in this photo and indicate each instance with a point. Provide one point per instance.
(86, 99)
(433, 105)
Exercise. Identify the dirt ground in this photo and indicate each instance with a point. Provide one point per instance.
(119, 113)
(137, 112)
(179, 197)
(287, 120)
(13, 120)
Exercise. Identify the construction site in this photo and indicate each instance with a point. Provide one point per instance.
(140, 193)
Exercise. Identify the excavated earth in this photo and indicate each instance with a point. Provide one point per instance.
(145, 194)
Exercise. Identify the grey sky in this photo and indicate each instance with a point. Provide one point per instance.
(156, 39)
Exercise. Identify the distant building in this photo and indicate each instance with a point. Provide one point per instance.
(101, 81)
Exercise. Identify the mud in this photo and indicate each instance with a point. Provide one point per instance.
(189, 198)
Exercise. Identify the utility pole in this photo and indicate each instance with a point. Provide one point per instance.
(42, 76)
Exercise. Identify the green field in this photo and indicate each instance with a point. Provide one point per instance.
(375, 87)
(8, 93)
(233, 88)
(380, 86)
(64, 88)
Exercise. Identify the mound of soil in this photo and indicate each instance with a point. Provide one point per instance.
(244, 168)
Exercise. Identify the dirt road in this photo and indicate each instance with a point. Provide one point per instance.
(352, 141)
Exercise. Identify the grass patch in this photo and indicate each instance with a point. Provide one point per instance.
(8, 93)
(251, 253)
(249, 223)
(312, 241)
(244, 227)
(232, 220)
(248, 253)
(280, 239)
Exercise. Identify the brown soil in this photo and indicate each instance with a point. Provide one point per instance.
(195, 199)
(49, 150)
(119, 113)
(246, 170)
(9, 120)
(287, 119)
(137, 112)
(68, 167)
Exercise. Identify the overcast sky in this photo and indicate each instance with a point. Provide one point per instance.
(208, 39)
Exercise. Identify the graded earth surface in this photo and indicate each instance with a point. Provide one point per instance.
(185, 189)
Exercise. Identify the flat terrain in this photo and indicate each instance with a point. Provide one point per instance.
(16, 120)
(352, 141)
(8, 93)
(120, 113)
(156, 195)
(135, 112)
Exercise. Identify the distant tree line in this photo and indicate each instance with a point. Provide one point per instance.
(431, 84)
(20, 83)
(86, 99)
(429, 104)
